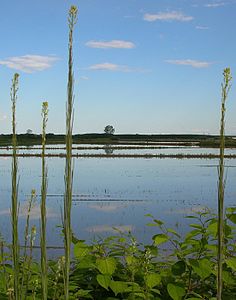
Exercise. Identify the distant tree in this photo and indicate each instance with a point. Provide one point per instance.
(109, 129)
(29, 131)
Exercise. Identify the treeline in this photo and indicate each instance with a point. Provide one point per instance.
(102, 138)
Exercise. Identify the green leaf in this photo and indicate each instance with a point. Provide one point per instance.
(231, 262)
(106, 265)
(175, 291)
(118, 287)
(196, 226)
(193, 233)
(212, 228)
(152, 280)
(156, 291)
(231, 210)
(228, 278)
(149, 215)
(131, 260)
(232, 218)
(152, 225)
(202, 267)
(158, 222)
(174, 232)
(160, 238)
(81, 250)
(178, 268)
(104, 280)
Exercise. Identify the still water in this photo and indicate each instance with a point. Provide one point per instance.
(116, 192)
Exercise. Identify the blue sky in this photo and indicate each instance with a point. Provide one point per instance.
(143, 66)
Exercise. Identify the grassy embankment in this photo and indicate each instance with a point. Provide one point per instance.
(120, 139)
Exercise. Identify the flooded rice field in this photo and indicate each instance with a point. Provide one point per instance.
(111, 193)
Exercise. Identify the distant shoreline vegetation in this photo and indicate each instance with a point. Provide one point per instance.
(211, 141)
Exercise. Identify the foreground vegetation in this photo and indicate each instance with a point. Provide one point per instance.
(200, 265)
(121, 268)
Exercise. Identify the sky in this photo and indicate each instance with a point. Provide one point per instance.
(143, 66)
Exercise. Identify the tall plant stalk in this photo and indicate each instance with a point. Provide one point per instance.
(72, 19)
(24, 270)
(14, 197)
(44, 277)
(225, 87)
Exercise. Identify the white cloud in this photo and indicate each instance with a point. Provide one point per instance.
(107, 207)
(84, 78)
(34, 214)
(110, 67)
(29, 63)
(116, 68)
(213, 5)
(190, 62)
(202, 27)
(114, 44)
(167, 16)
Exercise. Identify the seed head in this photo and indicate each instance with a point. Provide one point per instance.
(227, 75)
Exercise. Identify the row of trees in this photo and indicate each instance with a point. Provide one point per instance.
(109, 129)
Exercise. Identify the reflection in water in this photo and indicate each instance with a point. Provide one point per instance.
(108, 228)
(108, 149)
(116, 193)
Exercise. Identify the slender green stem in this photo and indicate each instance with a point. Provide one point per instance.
(44, 277)
(30, 258)
(26, 237)
(14, 198)
(68, 168)
(225, 87)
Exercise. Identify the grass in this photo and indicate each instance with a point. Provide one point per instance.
(44, 271)
(14, 201)
(226, 85)
(72, 19)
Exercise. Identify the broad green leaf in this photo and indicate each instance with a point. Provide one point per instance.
(178, 268)
(232, 218)
(152, 280)
(81, 250)
(104, 280)
(86, 264)
(231, 262)
(228, 278)
(160, 238)
(175, 291)
(202, 267)
(131, 260)
(118, 287)
(106, 265)
(212, 228)
(231, 210)
(84, 293)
